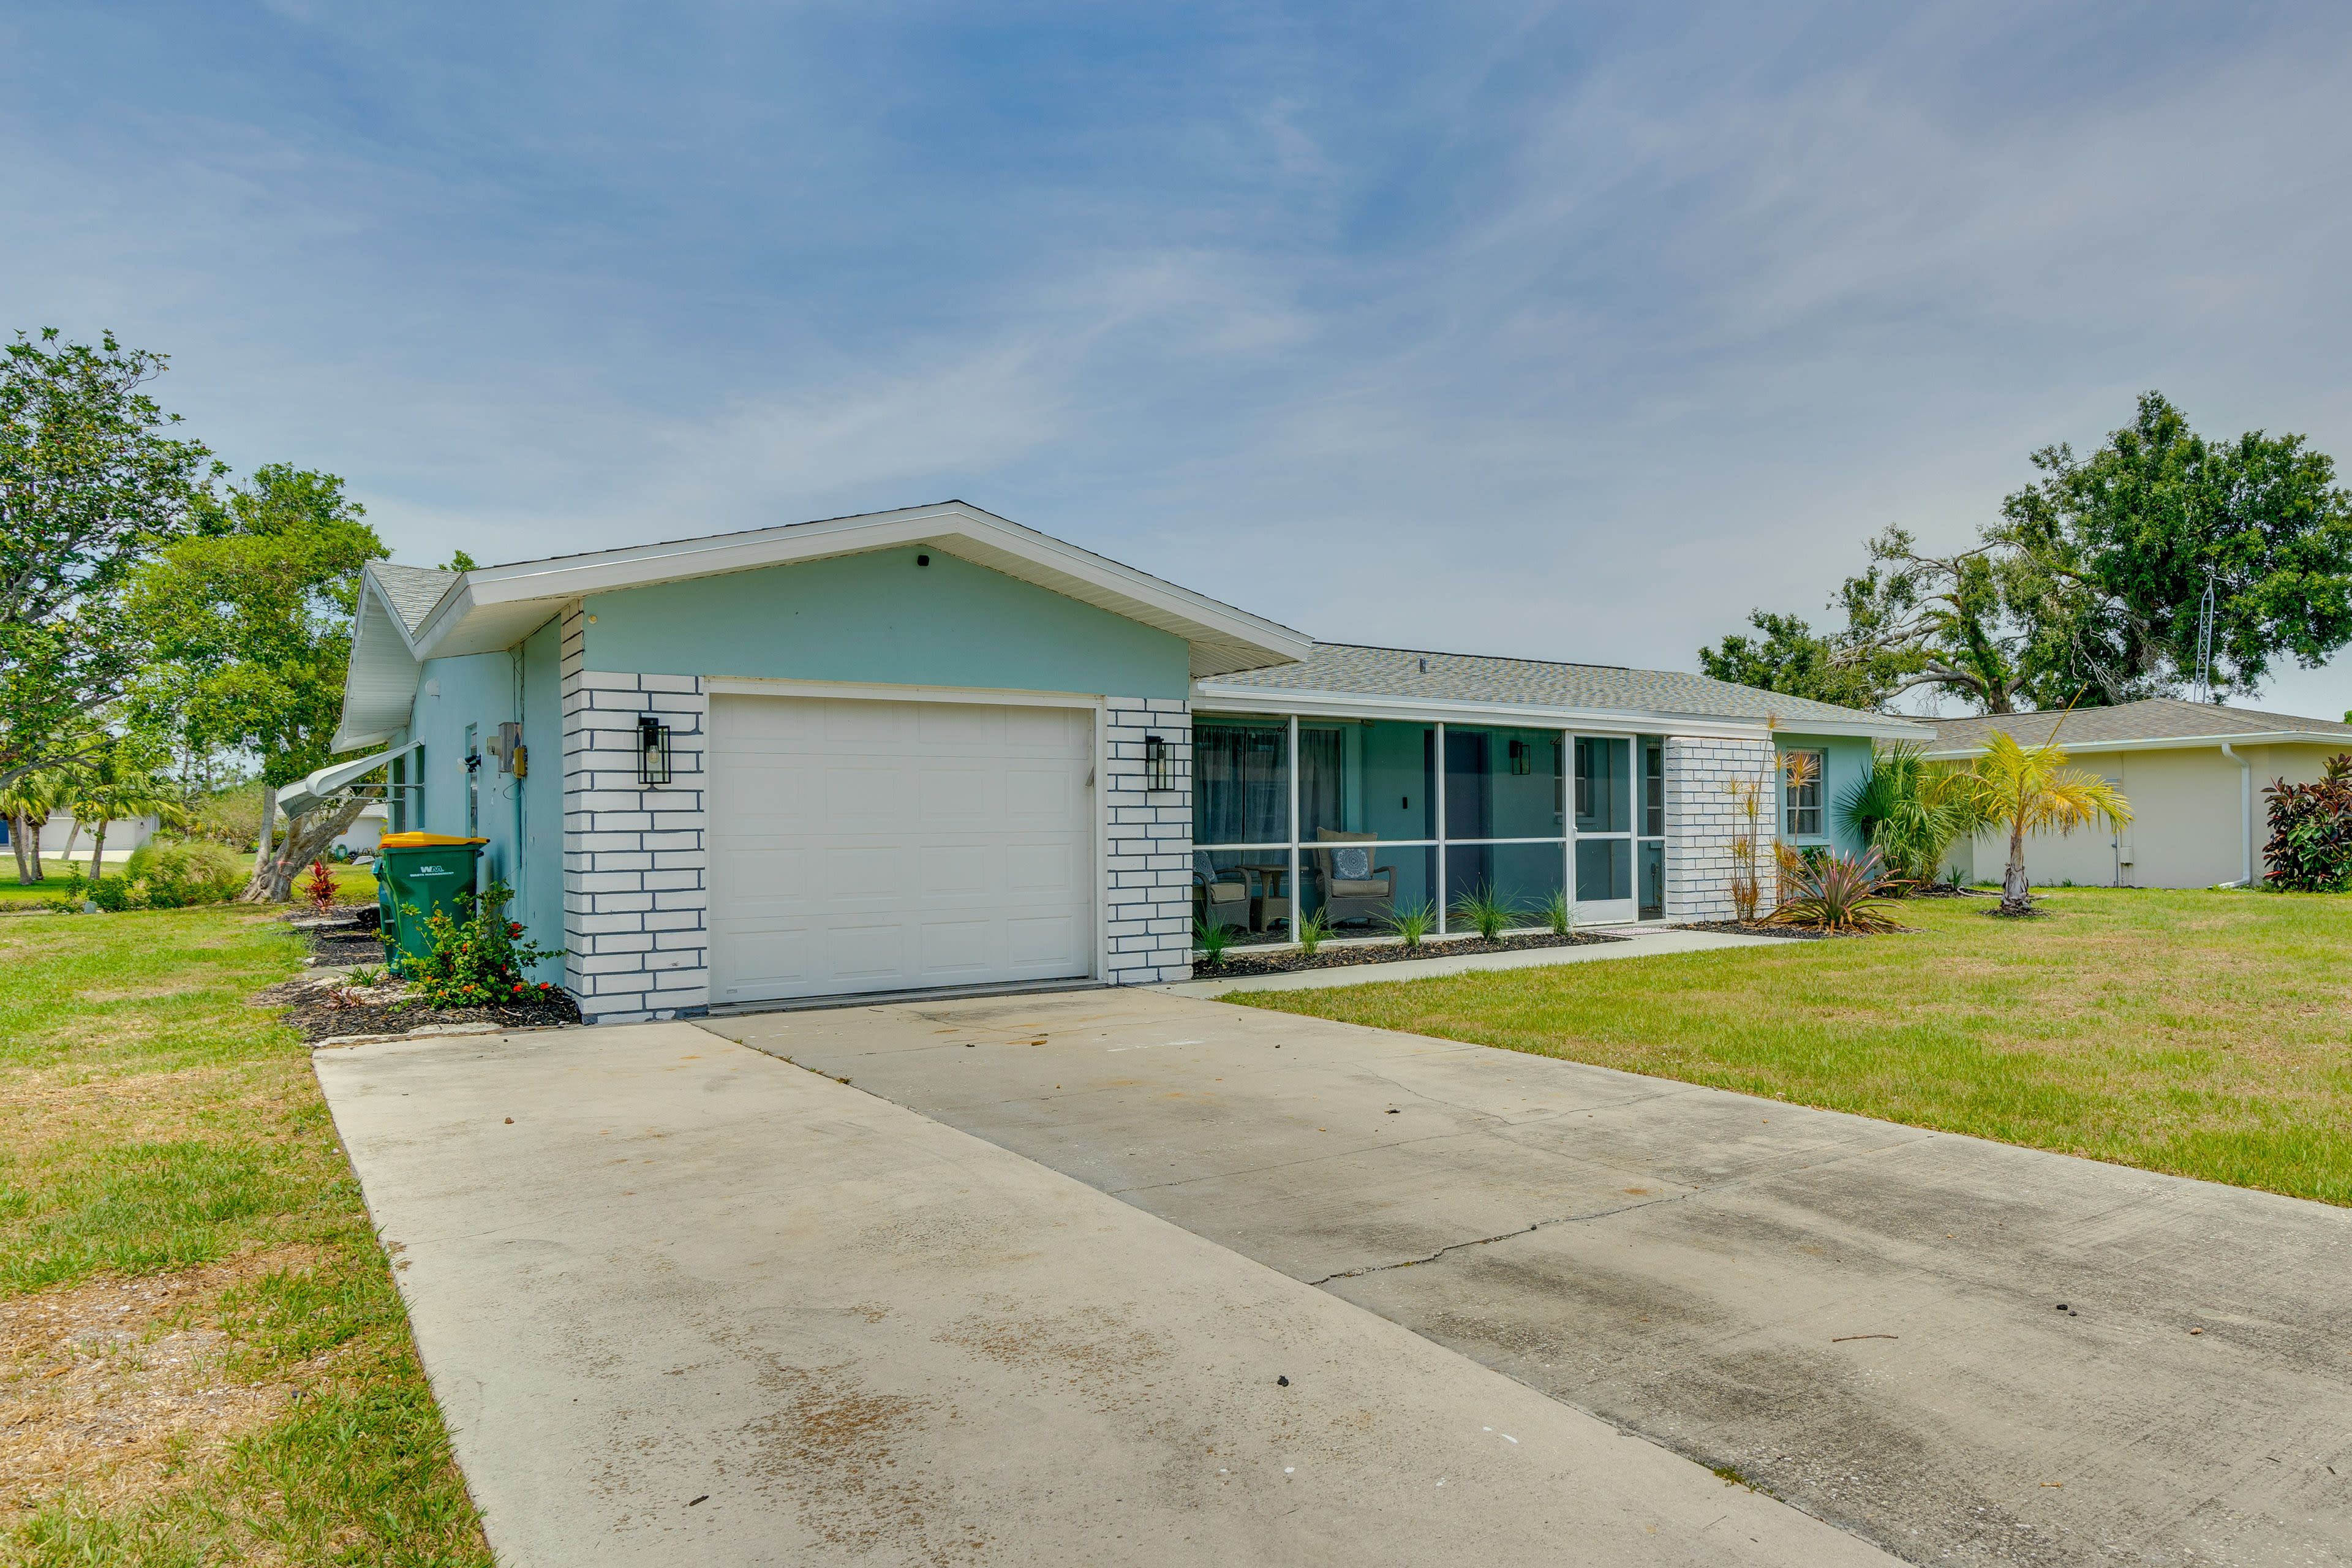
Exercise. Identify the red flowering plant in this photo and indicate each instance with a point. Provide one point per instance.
(478, 956)
(319, 886)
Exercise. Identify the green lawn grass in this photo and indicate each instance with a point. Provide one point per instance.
(2205, 1034)
(354, 885)
(157, 1131)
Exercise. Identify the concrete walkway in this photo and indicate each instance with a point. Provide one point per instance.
(683, 1304)
(1641, 944)
(1863, 1318)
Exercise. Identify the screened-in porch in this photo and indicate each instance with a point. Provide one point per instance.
(1363, 819)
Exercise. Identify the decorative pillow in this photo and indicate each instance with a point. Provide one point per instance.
(1353, 864)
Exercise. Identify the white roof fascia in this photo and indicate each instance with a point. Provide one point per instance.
(380, 681)
(1207, 695)
(2177, 742)
(486, 609)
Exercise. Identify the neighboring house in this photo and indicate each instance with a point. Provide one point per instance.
(931, 748)
(2193, 771)
(364, 835)
(122, 836)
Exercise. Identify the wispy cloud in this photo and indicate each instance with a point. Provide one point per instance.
(1570, 331)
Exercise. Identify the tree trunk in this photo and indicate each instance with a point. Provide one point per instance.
(307, 838)
(20, 832)
(98, 850)
(2016, 897)
(67, 855)
(261, 845)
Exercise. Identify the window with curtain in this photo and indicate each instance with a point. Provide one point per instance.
(1240, 782)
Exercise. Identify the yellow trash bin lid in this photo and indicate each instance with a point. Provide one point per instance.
(421, 841)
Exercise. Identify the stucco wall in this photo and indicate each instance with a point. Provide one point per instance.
(2188, 811)
(881, 618)
(522, 818)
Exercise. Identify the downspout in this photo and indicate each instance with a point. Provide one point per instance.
(2245, 817)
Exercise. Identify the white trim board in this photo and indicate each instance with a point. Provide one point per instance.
(878, 691)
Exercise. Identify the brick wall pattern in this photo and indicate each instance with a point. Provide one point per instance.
(1147, 877)
(1704, 820)
(636, 881)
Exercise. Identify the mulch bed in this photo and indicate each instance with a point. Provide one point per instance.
(1386, 952)
(325, 1006)
(316, 1010)
(1760, 928)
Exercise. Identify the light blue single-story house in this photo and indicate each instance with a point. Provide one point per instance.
(931, 748)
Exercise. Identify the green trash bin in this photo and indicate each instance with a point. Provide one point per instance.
(417, 874)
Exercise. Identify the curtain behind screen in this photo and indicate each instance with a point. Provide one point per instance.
(1320, 753)
(1242, 796)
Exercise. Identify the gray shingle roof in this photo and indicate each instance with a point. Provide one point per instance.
(2157, 719)
(1344, 667)
(411, 591)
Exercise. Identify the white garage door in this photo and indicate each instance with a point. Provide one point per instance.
(862, 845)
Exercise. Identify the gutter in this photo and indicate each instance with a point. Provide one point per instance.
(2245, 815)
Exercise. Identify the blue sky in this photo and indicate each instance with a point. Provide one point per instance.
(1563, 332)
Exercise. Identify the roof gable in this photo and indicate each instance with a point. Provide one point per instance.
(492, 607)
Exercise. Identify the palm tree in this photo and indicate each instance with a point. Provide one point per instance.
(105, 789)
(27, 800)
(2032, 790)
(1911, 810)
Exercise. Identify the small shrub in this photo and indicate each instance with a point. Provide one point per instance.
(1410, 923)
(2310, 847)
(367, 976)
(1212, 940)
(194, 871)
(477, 956)
(1834, 892)
(1559, 913)
(1314, 933)
(1487, 913)
(114, 893)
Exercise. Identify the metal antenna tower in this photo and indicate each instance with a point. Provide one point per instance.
(2205, 641)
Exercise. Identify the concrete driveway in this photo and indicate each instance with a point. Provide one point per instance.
(1962, 1351)
(683, 1304)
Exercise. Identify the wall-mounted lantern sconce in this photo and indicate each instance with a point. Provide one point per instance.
(1523, 757)
(653, 752)
(1159, 764)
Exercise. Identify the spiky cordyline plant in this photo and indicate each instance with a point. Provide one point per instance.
(1833, 892)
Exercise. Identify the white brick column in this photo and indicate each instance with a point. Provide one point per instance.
(635, 866)
(1147, 877)
(1703, 822)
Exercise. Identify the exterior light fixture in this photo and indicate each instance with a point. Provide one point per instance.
(1523, 757)
(1159, 764)
(653, 752)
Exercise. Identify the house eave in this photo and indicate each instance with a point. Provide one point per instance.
(2171, 742)
(1207, 695)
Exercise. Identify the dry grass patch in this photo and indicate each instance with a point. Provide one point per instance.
(202, 1358)
(116, 1388)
